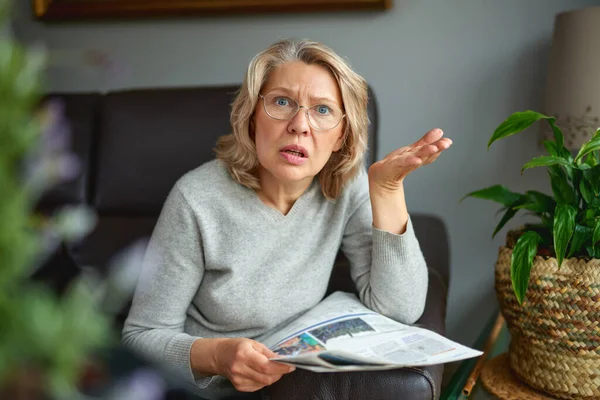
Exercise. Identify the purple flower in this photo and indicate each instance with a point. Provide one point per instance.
(51, 161)
(56, 132)
(68, 167)
(144, 384)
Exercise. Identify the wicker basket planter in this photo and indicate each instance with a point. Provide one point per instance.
(555, 333)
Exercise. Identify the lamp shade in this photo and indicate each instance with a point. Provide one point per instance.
(573, 85)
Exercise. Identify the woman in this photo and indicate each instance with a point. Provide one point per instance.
(247, 242)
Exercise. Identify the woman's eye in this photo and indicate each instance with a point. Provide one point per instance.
(282, 101)
(323, 110)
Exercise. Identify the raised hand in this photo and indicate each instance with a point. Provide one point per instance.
(386, 179)
(388, 174)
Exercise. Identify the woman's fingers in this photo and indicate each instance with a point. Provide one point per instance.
(431, 159)
(398, 152)
(250, 376)
(443, 143)
(430, 137)
(409, 161)
(248, 365)
(270, 367)
(260, 370)
(427, 151)
(399, 163)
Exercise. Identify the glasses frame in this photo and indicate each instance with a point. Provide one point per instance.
(296, 113)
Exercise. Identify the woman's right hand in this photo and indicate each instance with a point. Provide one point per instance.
(244, 362)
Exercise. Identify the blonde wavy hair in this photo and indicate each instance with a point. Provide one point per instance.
(238, 149)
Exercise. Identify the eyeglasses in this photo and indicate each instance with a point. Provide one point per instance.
(322, 117)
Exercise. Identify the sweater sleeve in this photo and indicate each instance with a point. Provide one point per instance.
(171, 274)
(389, 270)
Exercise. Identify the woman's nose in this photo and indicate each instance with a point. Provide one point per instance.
(299, 124)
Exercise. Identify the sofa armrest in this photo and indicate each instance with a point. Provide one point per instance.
(413, 383)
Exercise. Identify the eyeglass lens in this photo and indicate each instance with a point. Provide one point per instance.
(320, 116)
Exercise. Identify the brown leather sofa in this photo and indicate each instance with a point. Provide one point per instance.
(134, 145)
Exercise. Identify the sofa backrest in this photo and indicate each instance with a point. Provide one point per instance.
(150, 138)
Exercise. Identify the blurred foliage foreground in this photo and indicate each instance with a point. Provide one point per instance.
(46, 339)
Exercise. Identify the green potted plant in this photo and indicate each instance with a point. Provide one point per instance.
(547, 276)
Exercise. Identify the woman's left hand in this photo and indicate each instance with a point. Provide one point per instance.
(387, 175)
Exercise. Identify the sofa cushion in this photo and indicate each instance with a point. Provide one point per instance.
(111, 236)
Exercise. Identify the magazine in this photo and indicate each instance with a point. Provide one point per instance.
(341, 334)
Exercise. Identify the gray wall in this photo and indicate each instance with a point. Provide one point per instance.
(460, 65)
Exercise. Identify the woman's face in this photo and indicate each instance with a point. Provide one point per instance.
(293, 151)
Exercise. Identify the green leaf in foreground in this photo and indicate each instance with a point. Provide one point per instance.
(564, 226)
(516, 123)
(545, 161)
(580, 236)
(562, 190)
(592, 145)
(585, 188)
(520, 264)
(592, 175)
(510, 212)
(550, 147)
(497, 193)
(537, 202)
(596, 234)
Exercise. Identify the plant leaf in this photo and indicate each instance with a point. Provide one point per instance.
(591, 160)
(590, 216)
(564, 226)
(592, 175)
(596, 234)
(545, 161)
(562, 190)
(521, 260)
(510, 212)
(547, 221)
(515, 123)
(550, 147)
(593, 251)
(537, 202)
(586, 191)
(580, 237)
(497, 193)
(559, 139)
(590, 146)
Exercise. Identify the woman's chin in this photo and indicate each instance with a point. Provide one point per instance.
(292, 175)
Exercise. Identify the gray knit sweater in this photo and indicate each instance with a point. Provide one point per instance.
(220, 263)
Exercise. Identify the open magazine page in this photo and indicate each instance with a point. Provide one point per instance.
(340, 333)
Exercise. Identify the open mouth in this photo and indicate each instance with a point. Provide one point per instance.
(294, 154)
(297, 153)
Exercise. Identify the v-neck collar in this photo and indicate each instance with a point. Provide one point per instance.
(300, 203)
